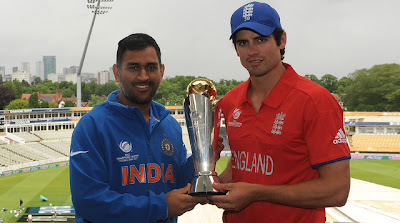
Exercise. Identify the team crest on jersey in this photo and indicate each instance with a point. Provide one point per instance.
(125, 146)
(235, 114)
(278, 123)
(167, 147)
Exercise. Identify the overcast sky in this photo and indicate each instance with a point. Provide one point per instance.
(324, 36)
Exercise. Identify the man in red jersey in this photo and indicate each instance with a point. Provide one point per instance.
(290, 157)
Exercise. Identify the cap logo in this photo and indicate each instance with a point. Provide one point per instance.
(248, 11)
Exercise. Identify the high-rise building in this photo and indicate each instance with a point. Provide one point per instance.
(71, 78)
(112, 77)
(25, 66)
(3, 73)
(40, 70)
(49, 63)
(21, 75)
(71, 70)
(103, 77)
(53, 77)
(14, 69)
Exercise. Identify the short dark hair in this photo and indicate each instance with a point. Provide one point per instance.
(277, 36)
(136, 41)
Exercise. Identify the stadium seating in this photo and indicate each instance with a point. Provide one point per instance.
(44, 150)
(27, 136)
(50, 135)
(23, 153)
(38, 146)
(60, 145)
(6, 158)
(12, 156)
(375, 143)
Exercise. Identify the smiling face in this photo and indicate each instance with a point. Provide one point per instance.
(139, 74)
(258, 54)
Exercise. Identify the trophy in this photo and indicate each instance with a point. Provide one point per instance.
(203, 118)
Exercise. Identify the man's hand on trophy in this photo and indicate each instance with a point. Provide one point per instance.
(240, 196)
(179, 201)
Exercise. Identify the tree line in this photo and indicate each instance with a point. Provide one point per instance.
(11, 92)
(374, 89)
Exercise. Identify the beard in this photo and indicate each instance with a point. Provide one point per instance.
(127, 90)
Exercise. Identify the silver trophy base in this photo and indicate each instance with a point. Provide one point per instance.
(202, 186)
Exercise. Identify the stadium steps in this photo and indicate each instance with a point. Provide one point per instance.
(54, 135)
(42, 150)
(55, 152)
(61, 145)
(6, 158)
(34, 133)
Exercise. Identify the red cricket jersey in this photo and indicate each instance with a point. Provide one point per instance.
(299, 127)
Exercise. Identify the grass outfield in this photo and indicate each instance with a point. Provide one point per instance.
(53, 183)
(383, 172)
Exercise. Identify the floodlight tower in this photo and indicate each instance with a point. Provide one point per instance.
(96, 10)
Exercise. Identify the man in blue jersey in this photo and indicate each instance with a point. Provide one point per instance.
(128, 161)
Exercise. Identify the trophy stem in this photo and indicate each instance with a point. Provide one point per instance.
(202, 186)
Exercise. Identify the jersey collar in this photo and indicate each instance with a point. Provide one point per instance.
(282, 88)
(279, 92)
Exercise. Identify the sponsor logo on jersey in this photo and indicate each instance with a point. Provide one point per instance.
(167, 147)
(128, 157)
(235, 114)
(340, 137)
(125, 146)
(147, 173)
(278, 124)
(252, 162)
(72, 153)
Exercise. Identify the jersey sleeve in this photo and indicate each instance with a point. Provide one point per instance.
(324, 134)
(90, 187)
(186, 170)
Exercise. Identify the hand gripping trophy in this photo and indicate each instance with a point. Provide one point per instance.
(203, 118)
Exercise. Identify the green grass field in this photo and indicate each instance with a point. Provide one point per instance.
(383, 172)
(53, 183)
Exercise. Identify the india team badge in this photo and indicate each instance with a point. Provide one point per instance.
(167, 147)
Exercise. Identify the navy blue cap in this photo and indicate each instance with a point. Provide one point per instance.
(256, 16)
